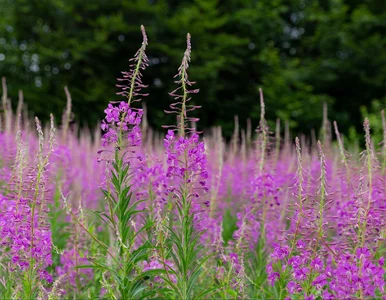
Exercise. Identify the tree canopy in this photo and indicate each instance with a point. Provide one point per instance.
(302, 53)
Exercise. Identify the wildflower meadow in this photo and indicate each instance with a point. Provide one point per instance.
(126, 211)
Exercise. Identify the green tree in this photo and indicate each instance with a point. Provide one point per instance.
(301, 52)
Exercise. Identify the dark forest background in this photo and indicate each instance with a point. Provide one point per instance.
(301, 52)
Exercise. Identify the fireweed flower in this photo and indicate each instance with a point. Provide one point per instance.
(122, 129)
(74, 255)
(185, 154)
(122, 124)
(279, 252)
(294, 287)
(151, 182)
(272, 275)
(25, 234)
(249, 227)
(354, 274)
(186, 165)
(69, 169)
(193, 169)
(123, 118)
(232, 271)
(15, 234)
(261, 214)
(127, 119)
(69, 260)
(342, 275)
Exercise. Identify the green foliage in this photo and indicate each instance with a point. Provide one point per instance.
(125, 279)
(229, 226)
(301, 52)
(58, 228)
(373, 113)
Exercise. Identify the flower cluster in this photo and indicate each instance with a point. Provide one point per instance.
(122, 119)
(16, 235)
(69, 260)
(232, 271)
(186, 159)
(356, 274)
(249, 228)
(333, 278)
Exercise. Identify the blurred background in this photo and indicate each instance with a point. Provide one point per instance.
(301, 52)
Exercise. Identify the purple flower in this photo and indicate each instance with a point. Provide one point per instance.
(186, 161)
(363, 252)
(15, 236)
(320, 282)
(382, 261)
(317, 264)
(310, 297)
(125, 119)
(279, 252)
(69, 260)
(272, 276)
(293, 287)
(327, 296)
(300, 245)
(300, 273)
(295, 261)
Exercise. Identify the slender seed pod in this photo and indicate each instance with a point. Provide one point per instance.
(343, 155)
(263, 129)
(322, 189)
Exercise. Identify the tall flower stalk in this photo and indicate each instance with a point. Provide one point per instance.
(186, 161)
(25, 235)
(263, 129)
(122, 266)
(369, 164)
(343, 155)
